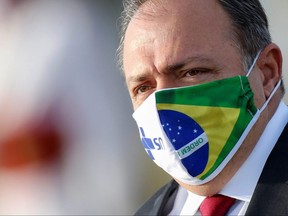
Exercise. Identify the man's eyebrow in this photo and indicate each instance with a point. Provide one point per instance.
(170, 68)
(180, 65)
(136, 78)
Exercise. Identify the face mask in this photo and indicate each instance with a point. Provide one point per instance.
(192, 132)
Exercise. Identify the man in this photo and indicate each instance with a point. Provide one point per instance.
(204, 81)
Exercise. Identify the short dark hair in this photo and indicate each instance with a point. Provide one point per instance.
(250, 29)
(250, 26)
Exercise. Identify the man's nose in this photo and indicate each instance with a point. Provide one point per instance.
(165, 83)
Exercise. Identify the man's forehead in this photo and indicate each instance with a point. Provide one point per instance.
(162, 7)
(187, 15)
(200, 28)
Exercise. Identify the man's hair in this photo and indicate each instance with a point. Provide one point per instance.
(249, 32)
(249, 26)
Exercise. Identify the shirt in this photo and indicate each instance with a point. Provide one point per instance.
(239, 187)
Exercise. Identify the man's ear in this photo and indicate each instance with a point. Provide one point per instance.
(270, 64)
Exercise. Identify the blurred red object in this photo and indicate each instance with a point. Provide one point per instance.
(33, 143)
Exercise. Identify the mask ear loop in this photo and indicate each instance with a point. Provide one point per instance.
(253, 64)
(274, 90)
(271, 95)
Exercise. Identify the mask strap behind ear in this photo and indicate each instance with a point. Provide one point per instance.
(253, 64)
(271, 95)
(274, 90)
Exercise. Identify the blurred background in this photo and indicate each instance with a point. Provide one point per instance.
(68, 143)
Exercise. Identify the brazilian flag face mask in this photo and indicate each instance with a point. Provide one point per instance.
(192, 132)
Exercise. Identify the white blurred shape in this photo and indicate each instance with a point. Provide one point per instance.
(59, 55)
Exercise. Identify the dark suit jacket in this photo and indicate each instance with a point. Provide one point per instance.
(269, 198)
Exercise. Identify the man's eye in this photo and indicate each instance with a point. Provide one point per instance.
(142, 89)
(193, 72)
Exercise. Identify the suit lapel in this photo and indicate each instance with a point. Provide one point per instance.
(161, 202)
(271, 193)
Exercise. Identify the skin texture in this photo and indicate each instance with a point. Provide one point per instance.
(188, 42)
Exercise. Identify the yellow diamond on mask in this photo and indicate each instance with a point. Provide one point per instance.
(218, 124)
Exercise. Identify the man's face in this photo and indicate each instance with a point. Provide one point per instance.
(185, 43)
(182, 43)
